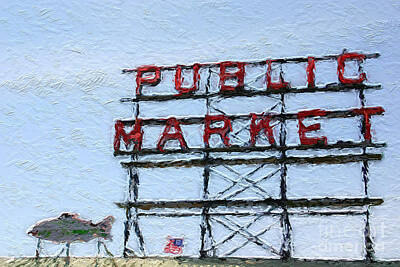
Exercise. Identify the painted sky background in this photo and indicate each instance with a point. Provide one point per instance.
(61, 81)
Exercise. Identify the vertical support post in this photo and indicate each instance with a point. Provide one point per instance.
(127, 229)
(368, 242)
(285, 223)
(205, 226)
(131, 213)
(133, 188)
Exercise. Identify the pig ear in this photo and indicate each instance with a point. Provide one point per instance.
(65, 215)
(110, 218)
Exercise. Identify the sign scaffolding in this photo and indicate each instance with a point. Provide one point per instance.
(223, 207)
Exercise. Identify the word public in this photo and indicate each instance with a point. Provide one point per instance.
(151, 75)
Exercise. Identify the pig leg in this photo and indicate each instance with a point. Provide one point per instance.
(58, 255)
(38, 248)
(67, 254)
(98, 247)
(106, 249)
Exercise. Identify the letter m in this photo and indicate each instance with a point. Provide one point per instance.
(135, 136)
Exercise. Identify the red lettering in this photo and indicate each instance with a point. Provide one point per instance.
(149, 80)
(167, 136)
(179, 80)
(341, 65)
(274, 85)
(255, 128)
(221, 131)
(135, 136)
(310, 72)
(367, 112)
(304, 140)
(238, 75)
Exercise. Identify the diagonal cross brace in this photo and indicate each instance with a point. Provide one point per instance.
(246, 234)
(234, 182)
(233, 233)
(269, 175)
(248, 241)
(245, 178)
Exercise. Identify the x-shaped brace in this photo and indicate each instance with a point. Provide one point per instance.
(242, 230)
(252, 185)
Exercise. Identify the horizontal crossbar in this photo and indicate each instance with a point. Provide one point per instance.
(333, 87)
(331, 159)
(261, 62)
(245, 149)
(274, 213)
(346, 113)
(289, 203)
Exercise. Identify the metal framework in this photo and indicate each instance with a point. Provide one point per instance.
(281, 207)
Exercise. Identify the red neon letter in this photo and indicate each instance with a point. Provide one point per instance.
(255, 128)
(152, 80)
(166, 135)
(274, 85)
(179, 79)
(135, 136)
(341, 65)
(367, 112)
(304, 140)
(310, 72)
(221, 131)
(238, 75)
